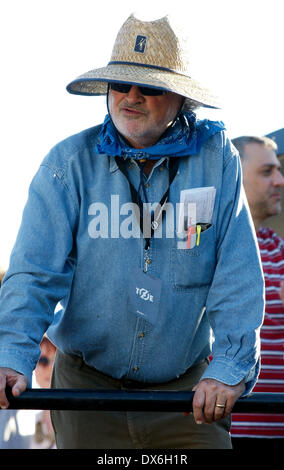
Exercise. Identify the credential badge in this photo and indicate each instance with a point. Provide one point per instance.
(140, 44)
(144, 294)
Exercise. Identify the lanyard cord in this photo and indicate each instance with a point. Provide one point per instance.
(142, 185)
(136, 198)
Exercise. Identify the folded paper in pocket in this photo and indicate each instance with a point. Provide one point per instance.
(196, 207)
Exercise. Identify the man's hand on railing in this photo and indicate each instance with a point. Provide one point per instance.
(214, 400)
(16, 381)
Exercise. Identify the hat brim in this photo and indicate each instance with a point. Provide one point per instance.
(95, 83)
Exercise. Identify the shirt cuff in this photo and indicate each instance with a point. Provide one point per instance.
(229, 373)
(12, 360)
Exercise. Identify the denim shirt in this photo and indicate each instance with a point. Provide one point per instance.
(212, 295)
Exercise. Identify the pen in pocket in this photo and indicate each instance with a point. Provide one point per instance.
(190, 231)
(201, 227)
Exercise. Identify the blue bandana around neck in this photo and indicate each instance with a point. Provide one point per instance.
(185, 137)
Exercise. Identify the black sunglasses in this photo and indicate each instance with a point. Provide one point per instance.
(146, 91)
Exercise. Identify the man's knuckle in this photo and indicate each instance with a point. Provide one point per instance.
(198, 404)
(231, 394)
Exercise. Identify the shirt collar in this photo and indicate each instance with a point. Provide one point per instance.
(113, 165)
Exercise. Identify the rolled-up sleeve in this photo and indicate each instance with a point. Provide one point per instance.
(40, 271)
(235, 304)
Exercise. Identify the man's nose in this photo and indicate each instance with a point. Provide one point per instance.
(134, 94)
(279, 179)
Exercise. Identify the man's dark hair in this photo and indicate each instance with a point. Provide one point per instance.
(241, 142)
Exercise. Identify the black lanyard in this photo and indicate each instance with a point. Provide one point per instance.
(173, 168)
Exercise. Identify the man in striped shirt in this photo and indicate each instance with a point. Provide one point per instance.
(262, 181)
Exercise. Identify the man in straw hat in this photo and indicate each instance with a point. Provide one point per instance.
(140, 229)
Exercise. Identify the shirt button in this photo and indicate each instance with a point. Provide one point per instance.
(148, 261)
(147, 185)
(161, 168)
(135, 369)
(141, 335)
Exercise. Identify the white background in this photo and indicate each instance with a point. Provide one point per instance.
(237, 50)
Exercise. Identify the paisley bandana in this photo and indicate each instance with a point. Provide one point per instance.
(185, 137)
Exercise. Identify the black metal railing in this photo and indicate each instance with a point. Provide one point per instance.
(133, 400)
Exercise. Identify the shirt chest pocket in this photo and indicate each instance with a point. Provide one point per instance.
(194, 267)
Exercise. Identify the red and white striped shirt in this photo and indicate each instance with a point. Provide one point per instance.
(271, 378)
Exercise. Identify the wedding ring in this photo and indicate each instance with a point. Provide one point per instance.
(220, 406)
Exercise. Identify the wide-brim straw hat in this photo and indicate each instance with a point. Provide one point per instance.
(148, 53)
